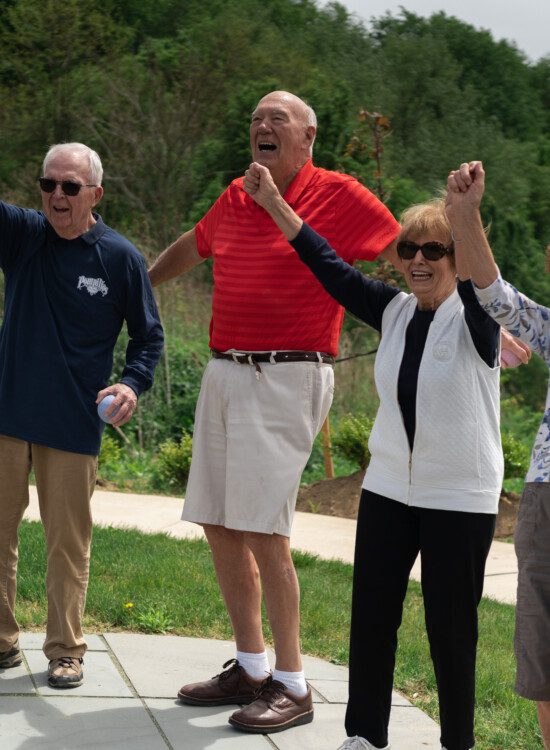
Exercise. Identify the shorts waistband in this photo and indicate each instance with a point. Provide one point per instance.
(250, 358)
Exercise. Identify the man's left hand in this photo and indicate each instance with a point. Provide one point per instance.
(513, 352)
(125, 401)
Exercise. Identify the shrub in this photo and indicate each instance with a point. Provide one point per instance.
(516, 457)
(173, 462)
(163, 410)
(110, 454)
(351, 439)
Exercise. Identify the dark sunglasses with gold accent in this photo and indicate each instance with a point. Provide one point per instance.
(430, 250)
(68, 187)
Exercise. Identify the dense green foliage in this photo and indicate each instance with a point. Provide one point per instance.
(164, 90)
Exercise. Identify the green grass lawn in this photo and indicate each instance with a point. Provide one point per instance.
(151, 583)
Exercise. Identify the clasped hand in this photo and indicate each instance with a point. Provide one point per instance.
(465, 188)
(258, 183)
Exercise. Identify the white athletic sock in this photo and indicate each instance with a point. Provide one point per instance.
(255, 665)
(294, 681)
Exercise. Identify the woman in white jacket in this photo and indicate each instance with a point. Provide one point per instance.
(436, 466)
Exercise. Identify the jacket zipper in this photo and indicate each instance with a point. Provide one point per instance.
(408, 500)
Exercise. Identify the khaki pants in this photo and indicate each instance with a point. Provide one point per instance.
(65, 482)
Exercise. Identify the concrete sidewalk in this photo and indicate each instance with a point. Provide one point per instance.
(127, 700)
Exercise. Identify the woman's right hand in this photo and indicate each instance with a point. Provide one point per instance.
(258, 183)
(465, 188)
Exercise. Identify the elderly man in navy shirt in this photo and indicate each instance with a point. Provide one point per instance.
(70, 283)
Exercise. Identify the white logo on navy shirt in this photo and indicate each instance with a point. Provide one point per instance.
(92, 285)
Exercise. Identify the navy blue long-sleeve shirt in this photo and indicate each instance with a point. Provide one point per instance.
(367, 299)
(64, 307)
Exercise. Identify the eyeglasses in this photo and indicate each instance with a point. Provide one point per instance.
(68, 187)
(430, 250)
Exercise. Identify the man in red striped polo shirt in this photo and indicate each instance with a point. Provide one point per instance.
(264, 396)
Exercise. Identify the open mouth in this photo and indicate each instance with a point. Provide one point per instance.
(421, 275)
(265, 146)
(60, 210)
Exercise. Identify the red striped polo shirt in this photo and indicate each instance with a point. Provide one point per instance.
(264, 297)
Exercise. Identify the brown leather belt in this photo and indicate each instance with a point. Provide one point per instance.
(250, 358)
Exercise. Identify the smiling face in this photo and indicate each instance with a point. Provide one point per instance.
(280, 136)
(70, 216)
(431, 281)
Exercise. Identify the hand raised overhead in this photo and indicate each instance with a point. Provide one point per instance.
(465, 188)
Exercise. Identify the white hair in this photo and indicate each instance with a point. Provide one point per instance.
(96, 168)
(310, 115)
(311, 119)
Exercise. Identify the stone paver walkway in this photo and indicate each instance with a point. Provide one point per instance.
(127, 699)
(127, 702)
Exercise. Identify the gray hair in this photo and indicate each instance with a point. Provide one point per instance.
(96, 168)
(311, 119)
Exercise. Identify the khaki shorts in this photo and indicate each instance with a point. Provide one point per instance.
(252, 440)
(532, 638)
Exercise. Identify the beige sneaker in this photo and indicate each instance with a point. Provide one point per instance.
(11, 658)
(65, 672)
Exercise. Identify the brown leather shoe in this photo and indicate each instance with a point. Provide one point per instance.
(273, 710)
(65, 672)
(231, 686)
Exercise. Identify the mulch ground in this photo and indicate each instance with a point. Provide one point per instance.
(340, 497)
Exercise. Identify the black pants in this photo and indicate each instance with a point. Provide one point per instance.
(453, 547)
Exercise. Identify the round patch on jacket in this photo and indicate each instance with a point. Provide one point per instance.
(443, 351)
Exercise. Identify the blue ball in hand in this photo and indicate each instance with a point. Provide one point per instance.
(103, 406)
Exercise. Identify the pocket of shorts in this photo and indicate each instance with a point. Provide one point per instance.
(527, 522)
(320, 394)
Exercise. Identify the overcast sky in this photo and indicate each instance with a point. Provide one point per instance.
(525, 22)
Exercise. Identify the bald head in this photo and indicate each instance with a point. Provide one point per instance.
(282, 132)
(300, 107)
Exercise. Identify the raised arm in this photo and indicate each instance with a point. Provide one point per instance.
(15, 225)
(363, 297)
(465, 188)
(179, 257)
